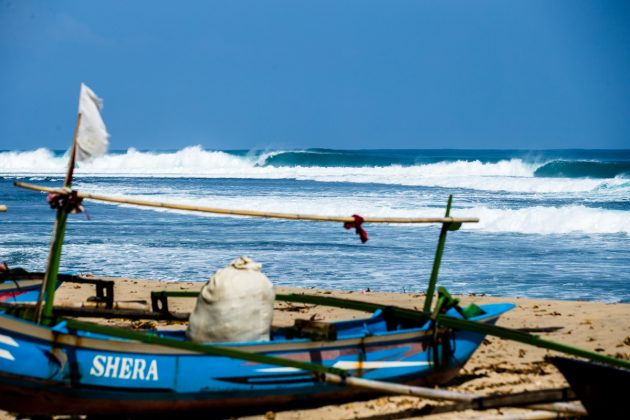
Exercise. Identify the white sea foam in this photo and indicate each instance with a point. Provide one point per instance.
(35, 162)
(512, 175)
(552, 220)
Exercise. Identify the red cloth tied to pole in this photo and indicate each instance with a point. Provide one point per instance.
(72, 202)
(358, 221)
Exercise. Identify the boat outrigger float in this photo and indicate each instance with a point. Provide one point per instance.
(52, 363)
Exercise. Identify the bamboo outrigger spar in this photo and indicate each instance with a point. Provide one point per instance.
(448, 224)
(249, 213)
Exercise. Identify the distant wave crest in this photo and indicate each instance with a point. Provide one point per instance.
(323, 165)
(333, 158)
(583, 169)
(194, 160)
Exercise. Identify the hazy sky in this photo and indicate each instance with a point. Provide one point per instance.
(336, 74)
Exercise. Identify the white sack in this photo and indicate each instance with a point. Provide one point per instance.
(235, 305)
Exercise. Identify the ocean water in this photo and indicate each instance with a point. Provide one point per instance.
(554, 223)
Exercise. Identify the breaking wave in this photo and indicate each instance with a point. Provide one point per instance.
(584, 169)
(449, 169)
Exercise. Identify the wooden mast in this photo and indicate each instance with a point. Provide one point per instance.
(43, 310)
(446, 226)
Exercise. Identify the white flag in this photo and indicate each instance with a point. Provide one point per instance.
(92, 136)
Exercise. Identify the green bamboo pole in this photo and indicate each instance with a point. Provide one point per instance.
(530, 339)
(43, 310)
(447, 321)
(46, 299)
(200, 348)
(438, 258)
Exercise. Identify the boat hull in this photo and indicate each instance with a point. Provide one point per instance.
(20, 291)
(47, 371)
(602, 389)
(19, 395)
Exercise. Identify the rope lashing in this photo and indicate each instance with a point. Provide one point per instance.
(358, 221)
(72, 202)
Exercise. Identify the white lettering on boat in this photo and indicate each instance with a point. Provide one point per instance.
(124, 368)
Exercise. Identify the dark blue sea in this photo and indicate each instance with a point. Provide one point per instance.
(554, 223)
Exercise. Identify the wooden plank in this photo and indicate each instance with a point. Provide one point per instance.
(106, 313)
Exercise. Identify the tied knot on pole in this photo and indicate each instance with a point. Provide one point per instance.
(71, 202)
(358, 221)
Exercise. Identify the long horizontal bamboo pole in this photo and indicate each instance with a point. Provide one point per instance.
(448, 321)
(410, 314)
(3, 208)
(251, 213)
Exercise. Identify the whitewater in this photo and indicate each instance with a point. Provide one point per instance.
(551, 222)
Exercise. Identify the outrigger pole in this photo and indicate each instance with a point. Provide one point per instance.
(424, 316)
(447, 321)
(446, 226)
(249, 213)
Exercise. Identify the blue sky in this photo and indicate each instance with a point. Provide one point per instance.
(336, 74)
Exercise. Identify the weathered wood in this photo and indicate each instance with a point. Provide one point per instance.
(398, 389)
(315, 330)
(467, 401)
(544, 399)
(251, 213)
(532, 415)
(106, 313)
(539, 329)
(104, 285)
(19, 284)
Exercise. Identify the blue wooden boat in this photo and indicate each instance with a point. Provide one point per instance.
(18, 285)
(63, 369)
(20, 291)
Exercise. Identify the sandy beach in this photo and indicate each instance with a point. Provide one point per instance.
(498, 366)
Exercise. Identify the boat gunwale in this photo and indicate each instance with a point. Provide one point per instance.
(30, 330)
